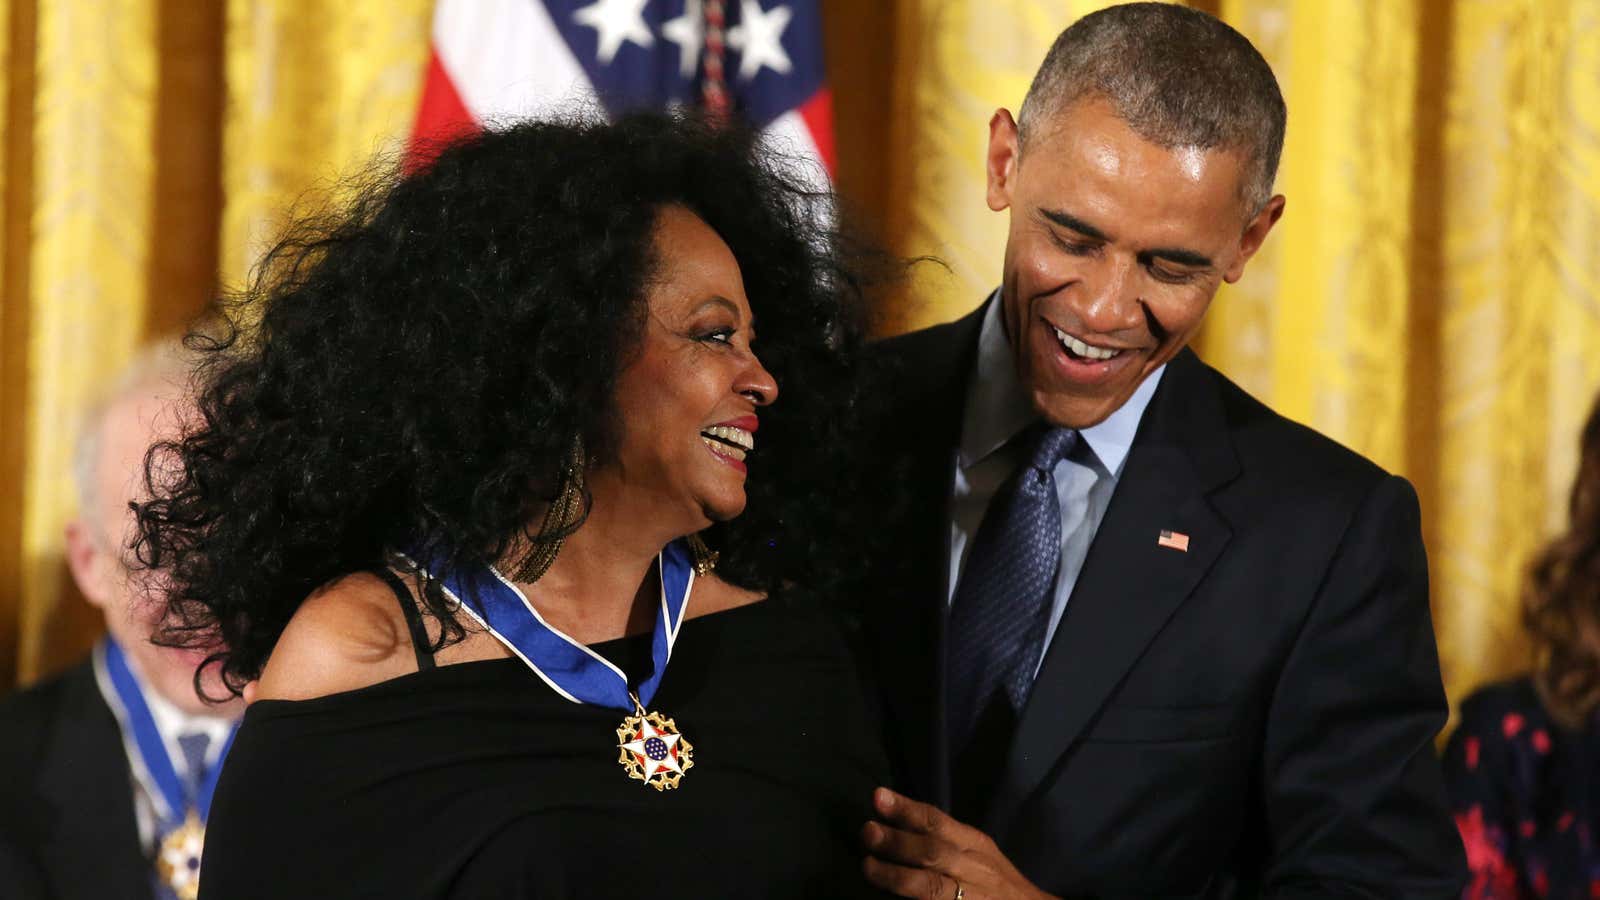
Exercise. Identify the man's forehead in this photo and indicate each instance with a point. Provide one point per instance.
(1192, 160)
(130, 424)
(1107, 186)
(1100, 135)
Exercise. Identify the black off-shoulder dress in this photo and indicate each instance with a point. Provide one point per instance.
(476, 780)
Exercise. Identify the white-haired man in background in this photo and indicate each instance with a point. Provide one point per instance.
(110, 764)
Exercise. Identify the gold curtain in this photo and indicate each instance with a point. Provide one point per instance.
(315, 90)
(85, 260)
(1431, 298)
(150, 144)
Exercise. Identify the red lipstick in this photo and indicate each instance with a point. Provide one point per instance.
(744, 423)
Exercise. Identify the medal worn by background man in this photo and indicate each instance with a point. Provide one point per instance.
(1139, 633)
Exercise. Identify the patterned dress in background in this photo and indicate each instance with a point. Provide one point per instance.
(1521, 787)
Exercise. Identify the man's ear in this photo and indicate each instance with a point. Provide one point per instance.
(1255, 234)
(1000, 161)
(87, 561)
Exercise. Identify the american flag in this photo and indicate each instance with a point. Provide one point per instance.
(1173, 540)
(495, 60)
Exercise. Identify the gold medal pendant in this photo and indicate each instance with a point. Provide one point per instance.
(652, 750)
(178, 857)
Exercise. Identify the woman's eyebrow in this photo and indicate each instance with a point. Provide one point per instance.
(719, 300)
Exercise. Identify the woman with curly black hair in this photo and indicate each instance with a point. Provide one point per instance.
(445, 510)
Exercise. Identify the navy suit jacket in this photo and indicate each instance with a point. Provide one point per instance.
(1255, 715)
(67, 826)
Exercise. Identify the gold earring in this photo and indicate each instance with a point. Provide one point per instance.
(566, 512)
(705, 559)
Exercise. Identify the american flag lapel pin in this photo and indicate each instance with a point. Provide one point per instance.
(1173, 540)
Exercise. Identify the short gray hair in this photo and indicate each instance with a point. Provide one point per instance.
(1177, 76)
(164, 363)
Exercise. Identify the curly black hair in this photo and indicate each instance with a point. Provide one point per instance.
(418, 364)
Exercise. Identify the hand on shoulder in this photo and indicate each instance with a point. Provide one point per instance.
(348, 634)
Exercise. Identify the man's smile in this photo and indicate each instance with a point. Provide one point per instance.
(1083, 349)
(1083, 363)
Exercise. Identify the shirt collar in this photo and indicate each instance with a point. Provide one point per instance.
(173, 722)
(998, 407)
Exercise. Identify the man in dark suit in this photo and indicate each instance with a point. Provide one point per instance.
(1139, 635)
(90, 806)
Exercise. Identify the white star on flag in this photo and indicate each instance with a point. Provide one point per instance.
(615, 22)
(759, 39)
(646, 734)
(685, 32)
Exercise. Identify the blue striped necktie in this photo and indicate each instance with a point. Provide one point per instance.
(194, 745)
(999, 617)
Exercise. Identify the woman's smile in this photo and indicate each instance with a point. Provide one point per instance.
(730, 442)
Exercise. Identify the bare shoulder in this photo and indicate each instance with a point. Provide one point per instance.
(350, 633)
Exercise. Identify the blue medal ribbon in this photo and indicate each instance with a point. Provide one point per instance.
(147, 752)
(571, 669)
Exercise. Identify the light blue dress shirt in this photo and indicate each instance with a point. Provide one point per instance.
(998, 409)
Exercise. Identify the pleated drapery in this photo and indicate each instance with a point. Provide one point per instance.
(1431, 297)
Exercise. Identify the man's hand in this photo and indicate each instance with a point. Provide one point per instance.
(918, 851)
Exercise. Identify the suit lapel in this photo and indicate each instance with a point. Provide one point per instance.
(932, 379)
(93, 844)
(1130, 585)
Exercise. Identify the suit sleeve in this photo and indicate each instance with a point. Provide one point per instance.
(21, 878)
(1354, 798)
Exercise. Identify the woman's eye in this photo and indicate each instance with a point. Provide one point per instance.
(719, 335)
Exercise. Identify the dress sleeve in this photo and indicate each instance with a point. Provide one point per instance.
(1478, 767)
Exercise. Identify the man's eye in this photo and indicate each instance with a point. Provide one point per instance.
(1076, 248)
(1171, 277)
(718, 335)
